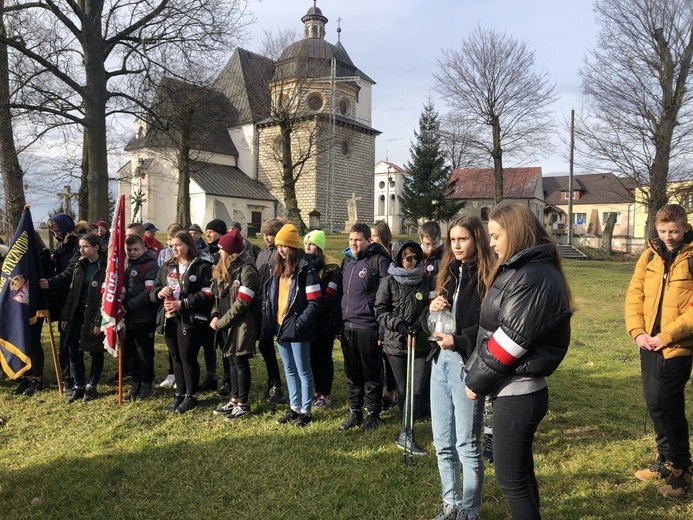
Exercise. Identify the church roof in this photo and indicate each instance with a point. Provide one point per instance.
(478, 183)
(227, 181)
(244, 80)
(210, 117)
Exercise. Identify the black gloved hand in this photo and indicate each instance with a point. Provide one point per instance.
(415, 328)
(403, 329)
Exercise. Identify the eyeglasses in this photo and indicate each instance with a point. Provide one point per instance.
(411, 258)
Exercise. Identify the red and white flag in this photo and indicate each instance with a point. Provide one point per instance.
(114, 284)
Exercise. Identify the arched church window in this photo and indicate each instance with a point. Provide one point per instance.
(277, 146)
(315, 101)
(381, 205)
(484, 214)
(347, 148)
(344, 106)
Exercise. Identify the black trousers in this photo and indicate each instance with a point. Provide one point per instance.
(240, 377)
(138, 347)
(663, 384)
(64, 356)
(210, 352)
(269, 354)
(363, 359)
(36, 349)
(422, 369)
(321, 362)
(184, 347)
(515, 421)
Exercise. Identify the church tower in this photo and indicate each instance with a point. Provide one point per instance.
(321, 115)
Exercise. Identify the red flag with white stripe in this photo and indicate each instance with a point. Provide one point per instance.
(114, 285)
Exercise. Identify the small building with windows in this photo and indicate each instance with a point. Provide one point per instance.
(476, 187)
(389, 182)
(594, 197)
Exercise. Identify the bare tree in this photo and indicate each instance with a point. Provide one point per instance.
(490, 84)
(457, 144)
(639, 114)
(273, 45)
(182, 122)
(12, 174)
(99, 57)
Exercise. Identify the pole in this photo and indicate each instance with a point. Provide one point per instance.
(55, 357)
(120, 367)
(387, 198)
(570, 178)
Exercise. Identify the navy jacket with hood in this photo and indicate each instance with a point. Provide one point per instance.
(360, 285)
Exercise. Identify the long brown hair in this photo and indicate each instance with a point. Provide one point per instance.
(524, 230)
(188, 240)
(287, 268)
(484, 256)
(220, 271)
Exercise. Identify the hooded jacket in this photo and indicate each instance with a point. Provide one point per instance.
(524, 327)
(663, 286)
(195, 295)
(236, 305)
(398, 304)
(265, 264)
(360, 285)
(305, 299)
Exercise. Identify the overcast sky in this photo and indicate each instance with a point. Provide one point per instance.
(398, 43)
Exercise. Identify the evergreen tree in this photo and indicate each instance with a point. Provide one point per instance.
(425, 190)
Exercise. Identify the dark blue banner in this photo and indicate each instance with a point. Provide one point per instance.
(22, 301)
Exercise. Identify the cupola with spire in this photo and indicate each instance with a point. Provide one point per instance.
(314, 22)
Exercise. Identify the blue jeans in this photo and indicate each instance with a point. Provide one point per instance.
(456, 422)
(299, 376)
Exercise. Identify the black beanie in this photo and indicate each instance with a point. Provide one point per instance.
(217, 225)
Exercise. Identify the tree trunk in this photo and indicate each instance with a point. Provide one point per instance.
(95, 111)
(497, 155)
(12, 174)
(293, 212)
(659, 174)
(183, 210)
(608, 233)
(83, 194)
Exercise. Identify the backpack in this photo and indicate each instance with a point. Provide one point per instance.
(651, 256)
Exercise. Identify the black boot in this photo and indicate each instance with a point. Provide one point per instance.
(277, 395)
(225, 389)
(146, 391)
(133, 393)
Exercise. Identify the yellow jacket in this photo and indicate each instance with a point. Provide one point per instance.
(648, 287)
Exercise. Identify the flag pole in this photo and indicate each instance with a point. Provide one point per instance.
(58, 378)
(120, 367)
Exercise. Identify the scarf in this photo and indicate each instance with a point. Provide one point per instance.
(406, 276)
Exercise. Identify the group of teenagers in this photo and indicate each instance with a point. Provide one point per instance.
(503, 282)
(505, 287)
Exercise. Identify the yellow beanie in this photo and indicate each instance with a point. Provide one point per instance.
(288, 236)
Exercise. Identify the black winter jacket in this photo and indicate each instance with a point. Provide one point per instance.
(64, 258)
(305, 297)
(139, 280)
(360, 285)
(88, 341)
(265, 264)
(463, 286)
(330, 319)
(195, 295)
(398, 304)
(524, 329)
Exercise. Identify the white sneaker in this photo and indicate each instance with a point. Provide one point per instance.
(169, 382)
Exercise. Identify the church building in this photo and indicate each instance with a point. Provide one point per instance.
(300, 126)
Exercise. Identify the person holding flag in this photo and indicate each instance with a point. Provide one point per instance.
(81, 317)
(21, 299)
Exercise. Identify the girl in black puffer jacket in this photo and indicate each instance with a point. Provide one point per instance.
(182, 288)
(524, 332)
(401, 299)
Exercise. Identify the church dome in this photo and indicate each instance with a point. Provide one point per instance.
(311, 56)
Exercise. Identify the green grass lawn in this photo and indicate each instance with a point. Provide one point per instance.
(96, 460)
